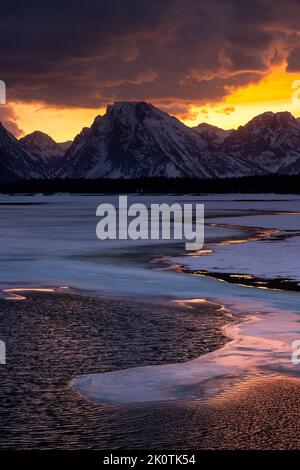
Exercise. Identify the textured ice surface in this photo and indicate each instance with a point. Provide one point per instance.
(51, 241)
(259, 345)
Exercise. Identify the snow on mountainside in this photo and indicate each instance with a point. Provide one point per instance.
(213, 135)
(16, 162)
(42, 145)
(268, 144)
(135, 139)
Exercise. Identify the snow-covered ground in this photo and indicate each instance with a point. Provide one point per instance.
(276, 257)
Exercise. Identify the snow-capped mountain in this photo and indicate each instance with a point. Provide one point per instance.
(268, 144)
(135, 139)
(16, 162)
(43, 146)
(213, 135)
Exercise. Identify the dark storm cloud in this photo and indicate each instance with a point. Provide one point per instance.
(294, 60)
(89, 53)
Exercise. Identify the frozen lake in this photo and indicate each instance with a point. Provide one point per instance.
(50, 241)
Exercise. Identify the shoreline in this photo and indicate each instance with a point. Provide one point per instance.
(41, 411)
(242, 279)
(246, 280)
(53, 337)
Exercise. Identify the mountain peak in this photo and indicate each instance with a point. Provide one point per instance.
(134, 110)
(271, 120)
(42, 145)
(128, 105)
(135, 139)
(16, 161)
(212, 134)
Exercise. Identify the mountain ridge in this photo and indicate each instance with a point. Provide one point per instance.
(16, 162)
(135, 139)
(42, 145)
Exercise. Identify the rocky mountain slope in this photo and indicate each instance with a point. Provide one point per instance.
(43, 146)
(268, 144)
(17, 162)
(135, 139)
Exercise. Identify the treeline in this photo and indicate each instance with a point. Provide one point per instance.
(255, 184)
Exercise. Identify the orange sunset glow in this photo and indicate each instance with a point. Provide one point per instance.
(272, 93)
(61, 124)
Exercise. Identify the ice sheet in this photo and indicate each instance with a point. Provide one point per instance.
(262, 344)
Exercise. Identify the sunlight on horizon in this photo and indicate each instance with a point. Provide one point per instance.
(61, 124)
(272, 93)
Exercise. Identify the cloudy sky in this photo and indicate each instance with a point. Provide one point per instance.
(217, 61)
